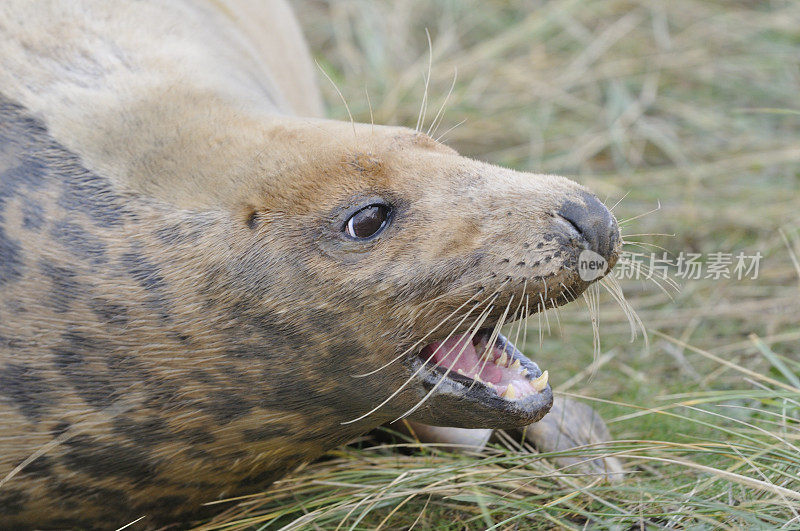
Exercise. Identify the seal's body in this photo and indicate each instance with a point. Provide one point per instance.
(202, 286)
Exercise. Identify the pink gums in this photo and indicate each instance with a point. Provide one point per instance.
(459, 354)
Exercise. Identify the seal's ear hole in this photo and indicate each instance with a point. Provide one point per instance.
(368, 222)
(252, 219)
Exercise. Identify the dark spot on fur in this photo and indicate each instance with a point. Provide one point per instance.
(171, 234)
(88, 193)
(187, 231)
(267, 432)
(79, 242)
(84, 454)
(10, 260)
(65, 289)
(262, 479)
(169, 503)
(95, 388)
(526, 245)
(148, 432)
(252, 220)
(26, 389)
(195, 436)
(148, 275)
(520, 264)
(41, 467)
(32, 215)
(103, 502)
(60, 428)
(540, 245)
(30, 172)
(222, 401)
(109, 313)
(12, 501)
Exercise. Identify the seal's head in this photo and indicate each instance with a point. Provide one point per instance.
(409, 257)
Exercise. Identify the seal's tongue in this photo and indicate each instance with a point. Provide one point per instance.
(497, 366)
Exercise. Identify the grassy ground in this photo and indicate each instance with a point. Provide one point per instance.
(690, 104)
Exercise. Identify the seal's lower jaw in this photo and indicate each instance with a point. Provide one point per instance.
(477, 385)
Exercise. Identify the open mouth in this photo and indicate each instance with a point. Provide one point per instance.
(486, 368)
(498, 368)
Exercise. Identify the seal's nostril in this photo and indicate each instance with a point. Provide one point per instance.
(594, 222)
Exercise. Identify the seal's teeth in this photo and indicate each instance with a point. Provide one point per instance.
(502, 360)
(541, 382)
(487, 355)
(516, 365)
(490, 384)
(524, 372)
(509, 393)
(461, 372)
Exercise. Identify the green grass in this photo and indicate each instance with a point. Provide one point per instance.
(690, 104)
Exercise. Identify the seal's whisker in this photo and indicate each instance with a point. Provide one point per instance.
(557, 313)
(490, 343)
(544, 309)
(471, 334)
(371, 116)
(620, 201)
(341, 96)
(424, 107)
(410, 378)
(627, 257)
(647, 234)
(441, 137)
(527, 313)
(651, 276)
(541, 328)
(522, 312)
(479, 320)
(590, 296)
(440, 115)
(615, 290)
(490, 298)
(428, 305)
(628, 252)
(644, 245)
(412, 347)
(451, 292)
(628, 220)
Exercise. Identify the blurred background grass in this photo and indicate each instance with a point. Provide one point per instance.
(685, 112)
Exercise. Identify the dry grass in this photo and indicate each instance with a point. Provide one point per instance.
(691, 104)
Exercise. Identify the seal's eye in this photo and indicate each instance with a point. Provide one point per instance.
(368, 222)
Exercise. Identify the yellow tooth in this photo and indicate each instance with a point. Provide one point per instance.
(524, 372)
(460, 371)
(510, 393)
(502, 360)
(487, 355)
(516, 365)
(541, 382)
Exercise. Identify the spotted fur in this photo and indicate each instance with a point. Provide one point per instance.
(180, 318)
